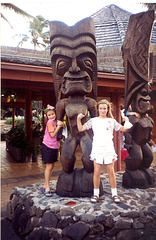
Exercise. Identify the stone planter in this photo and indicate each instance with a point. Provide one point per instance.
(34, 158)
(15, 152)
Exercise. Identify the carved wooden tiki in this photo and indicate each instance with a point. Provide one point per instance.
(74, 66)
(138, 83)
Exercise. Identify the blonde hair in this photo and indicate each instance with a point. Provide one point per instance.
(109, 106)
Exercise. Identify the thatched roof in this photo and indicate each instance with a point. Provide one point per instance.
(111, 24)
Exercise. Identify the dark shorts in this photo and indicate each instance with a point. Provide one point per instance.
(49, 155)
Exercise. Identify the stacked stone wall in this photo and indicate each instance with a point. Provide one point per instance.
(34, 216)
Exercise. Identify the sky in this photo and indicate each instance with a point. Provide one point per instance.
(67, 11)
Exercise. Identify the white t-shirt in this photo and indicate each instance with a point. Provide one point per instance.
(103, 138)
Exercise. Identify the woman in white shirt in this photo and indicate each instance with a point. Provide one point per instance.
(103, 151)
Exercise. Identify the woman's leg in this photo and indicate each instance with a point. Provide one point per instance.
(96, 178)
(112, 180)
(51, 171)
(96, 182)
(111, 174)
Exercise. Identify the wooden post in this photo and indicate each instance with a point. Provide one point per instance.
(48, 98)
(28, 114)
(13, 115)
(117, 135)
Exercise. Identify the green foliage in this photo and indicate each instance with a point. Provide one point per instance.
(3, 112)
(37, 139)
(39, 37)
(36, 149)
(17, 121)
(37, 27)
(17, 138)
(8, 121)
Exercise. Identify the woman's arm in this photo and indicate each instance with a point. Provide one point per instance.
(127, 125)
(80, 127)
(123, 129)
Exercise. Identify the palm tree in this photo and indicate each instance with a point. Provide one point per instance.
(24, 38)
(150, 6)
(36, 29)
(38, 36)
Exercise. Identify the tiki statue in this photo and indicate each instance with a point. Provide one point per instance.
(74, 66)
(138, 85)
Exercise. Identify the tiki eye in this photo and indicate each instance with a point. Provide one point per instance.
(88, 63)
(61, 64)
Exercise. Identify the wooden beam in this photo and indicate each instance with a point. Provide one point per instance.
(26, 75)
(10, 83)
(24, 67)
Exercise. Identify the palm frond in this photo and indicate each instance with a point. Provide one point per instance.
(150, 6)
(2, 16)
(16, 9)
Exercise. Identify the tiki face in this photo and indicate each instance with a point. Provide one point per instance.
(73, 57)
(76, 72)
(141, 102)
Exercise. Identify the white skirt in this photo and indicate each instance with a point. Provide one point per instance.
(103, 155)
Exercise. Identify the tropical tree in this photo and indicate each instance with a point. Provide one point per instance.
(37, 27)
(150, 6)
(39, 37)
(15, 9)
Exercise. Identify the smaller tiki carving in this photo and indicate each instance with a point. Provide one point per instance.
(138, 84)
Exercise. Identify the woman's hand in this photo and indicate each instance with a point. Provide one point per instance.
(58, 126)
(126, 119)
(59, 123)
(80, 127)
(80, 116)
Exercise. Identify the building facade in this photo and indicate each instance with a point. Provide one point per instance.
(27, 74)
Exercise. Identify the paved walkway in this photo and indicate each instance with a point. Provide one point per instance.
(14, 173)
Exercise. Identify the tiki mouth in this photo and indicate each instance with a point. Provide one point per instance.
(144, 100)
(76, 84)
(76, 79)
(143, 104)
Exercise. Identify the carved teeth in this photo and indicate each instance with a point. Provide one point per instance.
(76, 79)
